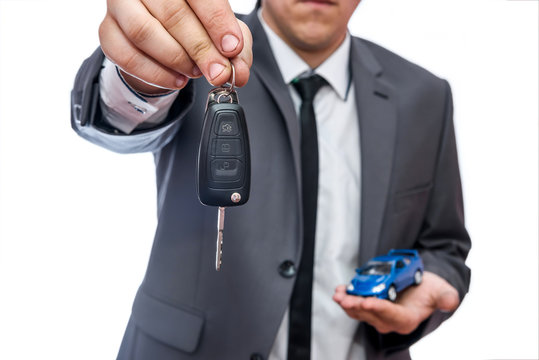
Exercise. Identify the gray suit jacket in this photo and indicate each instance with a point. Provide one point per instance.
(411, 198)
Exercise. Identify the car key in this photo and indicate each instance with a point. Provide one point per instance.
(224, 166)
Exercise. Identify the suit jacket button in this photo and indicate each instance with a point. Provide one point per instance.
(287, 269)
(257, 356)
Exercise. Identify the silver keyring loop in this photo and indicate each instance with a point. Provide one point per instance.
(223, 94)
(233, 83)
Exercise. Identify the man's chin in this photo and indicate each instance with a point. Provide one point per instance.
(316, 39)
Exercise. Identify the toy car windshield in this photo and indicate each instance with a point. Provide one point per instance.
(372, 268)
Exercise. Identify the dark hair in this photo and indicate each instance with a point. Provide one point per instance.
(258, 4)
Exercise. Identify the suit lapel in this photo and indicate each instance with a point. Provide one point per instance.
(377, 124)
(266, 68)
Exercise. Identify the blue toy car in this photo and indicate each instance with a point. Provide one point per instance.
(384, 276)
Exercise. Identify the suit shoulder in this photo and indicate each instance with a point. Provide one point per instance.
(399, 70)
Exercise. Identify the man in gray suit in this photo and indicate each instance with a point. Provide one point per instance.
(387, 178)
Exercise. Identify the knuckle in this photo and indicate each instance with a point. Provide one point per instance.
(102, 32)
(133, 66)
(130, 62)
(406, 328)
(243, 80)
(246, 31)
(158, 77)
(248, 59)
(214, 19)
(173, 15)
(139, 32)
(179, 61)
(200, 49)
(104, 29)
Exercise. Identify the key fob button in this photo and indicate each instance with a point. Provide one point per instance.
(227, 123)
(226, 170)
(226, 147)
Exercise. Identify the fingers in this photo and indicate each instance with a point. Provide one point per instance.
(165, 41)
(448, 301)
(178, 19)
(146, 33)
(382, 314)
(362, 309)
(243, 61)
(123, 53)
(221, 24)
(413, 305)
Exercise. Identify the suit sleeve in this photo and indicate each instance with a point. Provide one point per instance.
(443, 240)
(88, 121)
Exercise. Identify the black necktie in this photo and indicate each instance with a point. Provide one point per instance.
(299, 330)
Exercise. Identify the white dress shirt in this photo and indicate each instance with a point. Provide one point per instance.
(337, 221)
(338, 212)
(124, 108)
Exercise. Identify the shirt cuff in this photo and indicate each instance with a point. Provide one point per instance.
(126, 109)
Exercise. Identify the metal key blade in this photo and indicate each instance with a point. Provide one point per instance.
(220, 228)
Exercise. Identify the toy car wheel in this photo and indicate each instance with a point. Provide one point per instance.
(418, 277)
(392, 293)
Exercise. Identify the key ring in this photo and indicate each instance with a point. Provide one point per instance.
(224, 92)
(233, 83)
(229, 89)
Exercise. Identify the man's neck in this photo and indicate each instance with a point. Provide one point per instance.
(313, 57)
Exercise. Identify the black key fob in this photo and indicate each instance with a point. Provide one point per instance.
(224, 164)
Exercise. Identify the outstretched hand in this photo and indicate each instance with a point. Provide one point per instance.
(165, 42)
(412, 307)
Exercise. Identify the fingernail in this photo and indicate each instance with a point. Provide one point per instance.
(180, 81)
(216, 70)
(196, 71)
(229, 43)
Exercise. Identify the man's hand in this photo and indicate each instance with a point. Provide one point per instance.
(165, 42)
(413, 305)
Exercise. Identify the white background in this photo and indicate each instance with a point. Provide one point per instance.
(77, 222)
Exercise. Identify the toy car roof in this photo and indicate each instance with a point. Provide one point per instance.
(404, 252)
(383, 258)
(394, 255)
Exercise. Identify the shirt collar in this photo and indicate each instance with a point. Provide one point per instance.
(335, 69)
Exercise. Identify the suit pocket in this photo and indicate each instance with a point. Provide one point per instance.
(176, 327)
(411, 198)
(406, 216)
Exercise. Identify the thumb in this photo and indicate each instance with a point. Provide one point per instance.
(448, 300)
